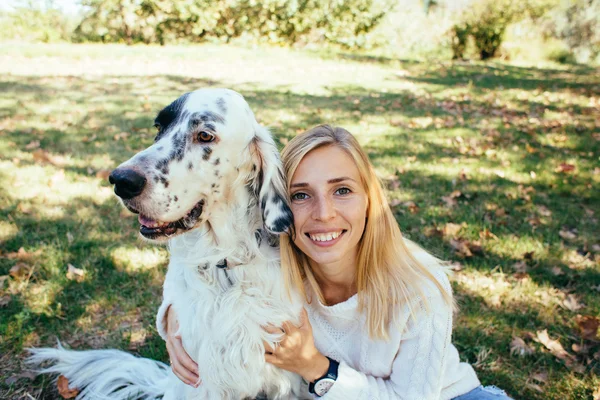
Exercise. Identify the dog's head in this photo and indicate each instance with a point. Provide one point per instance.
(207, 141)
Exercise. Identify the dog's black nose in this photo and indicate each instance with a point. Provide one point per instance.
(128, 182)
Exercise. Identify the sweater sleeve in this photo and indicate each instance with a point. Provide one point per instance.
(168, 290)
(418, 368)
(161, 318)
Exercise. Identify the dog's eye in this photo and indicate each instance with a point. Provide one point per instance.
(157, 126)
(205, 137)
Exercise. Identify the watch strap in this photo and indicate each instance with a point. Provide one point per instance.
(332, 373)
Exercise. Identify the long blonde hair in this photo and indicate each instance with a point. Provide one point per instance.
(388, 274)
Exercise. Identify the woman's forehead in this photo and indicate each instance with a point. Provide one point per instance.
(324, 164)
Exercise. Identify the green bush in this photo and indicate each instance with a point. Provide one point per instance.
(485, 21)
(577, 23)
(275, 21)
(35, 25)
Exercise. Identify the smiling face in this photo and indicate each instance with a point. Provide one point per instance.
(329, 204)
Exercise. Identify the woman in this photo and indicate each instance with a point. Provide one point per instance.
(378, 317)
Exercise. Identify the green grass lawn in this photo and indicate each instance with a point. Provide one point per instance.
(492, 166)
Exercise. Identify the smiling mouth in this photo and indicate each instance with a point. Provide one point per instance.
(325, 237)
(154, 229)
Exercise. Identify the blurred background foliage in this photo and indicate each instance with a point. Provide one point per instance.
(566, 31)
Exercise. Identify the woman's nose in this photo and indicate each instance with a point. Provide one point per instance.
(324, 209)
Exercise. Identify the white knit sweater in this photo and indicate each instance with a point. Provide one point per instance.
(416, 363)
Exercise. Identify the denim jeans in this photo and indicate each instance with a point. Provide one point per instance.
(485, 393)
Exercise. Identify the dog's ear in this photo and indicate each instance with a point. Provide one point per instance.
(269, 184)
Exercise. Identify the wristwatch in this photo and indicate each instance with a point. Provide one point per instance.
(322, 385)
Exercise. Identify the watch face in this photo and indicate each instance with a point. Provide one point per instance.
(323, 386)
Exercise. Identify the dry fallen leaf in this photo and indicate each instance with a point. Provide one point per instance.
(461, 248)
(63, 388)
(412, 206)
(544, 211)
(487, 234)
(432, 231)
(519, 347)
(572, 303)
(23, 255)
(34, 144)
(541, 376)
(555, 348)
(4, 300)
(557, 271)
(19, 270)
(75, 274)
(520, 266)
(565, 168)
(500, 212)
(451, 229)
(568, 234)
(534, 386)
(588, 326)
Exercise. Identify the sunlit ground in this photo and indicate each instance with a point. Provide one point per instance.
(492, 166)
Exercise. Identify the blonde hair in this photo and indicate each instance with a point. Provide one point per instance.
(388, 274)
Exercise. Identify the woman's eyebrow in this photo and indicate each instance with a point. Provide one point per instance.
(341, 179)
(330, 181)
(302, 184)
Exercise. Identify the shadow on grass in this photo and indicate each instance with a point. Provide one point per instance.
(583, 79)
(92, 116)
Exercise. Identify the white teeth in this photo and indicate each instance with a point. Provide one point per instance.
(324, 237)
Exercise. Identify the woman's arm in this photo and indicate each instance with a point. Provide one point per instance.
(417, 370)
(181, 363)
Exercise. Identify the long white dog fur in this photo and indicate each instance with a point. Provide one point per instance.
(213, 188)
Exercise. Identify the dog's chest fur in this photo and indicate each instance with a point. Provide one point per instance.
(222, 313)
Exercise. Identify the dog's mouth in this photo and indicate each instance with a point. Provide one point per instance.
(154, 229)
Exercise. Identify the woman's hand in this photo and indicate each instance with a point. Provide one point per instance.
(183, 366)
(297, 352)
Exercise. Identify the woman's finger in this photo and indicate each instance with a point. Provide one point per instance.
(271, 359)
(268, 348)
(273, 329)
(187, 375)
(183, 357)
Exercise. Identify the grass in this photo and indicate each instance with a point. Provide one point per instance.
(508, 153)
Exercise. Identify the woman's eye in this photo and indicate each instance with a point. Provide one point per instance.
(205, 137)
(343, 191)
(299, 196)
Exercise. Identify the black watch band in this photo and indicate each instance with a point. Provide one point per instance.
(322, 385)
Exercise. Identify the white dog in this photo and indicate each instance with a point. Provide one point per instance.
(211, 185)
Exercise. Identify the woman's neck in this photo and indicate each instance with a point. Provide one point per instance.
(336, 281)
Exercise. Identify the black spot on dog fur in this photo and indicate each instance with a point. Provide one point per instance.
(164, 181)
(213, 185)
(175, 199)
(190, 165)
(217, 161)
(170, 114)
(179, 141)
(209, 116)
(162, 164)
(206, 155)
(222, 105)
(156, 178)
(258, 236)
